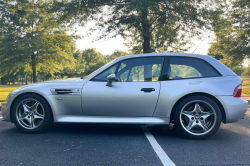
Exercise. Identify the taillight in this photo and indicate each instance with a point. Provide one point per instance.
(237, 91)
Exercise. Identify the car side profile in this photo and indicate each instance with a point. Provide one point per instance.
(195, 92)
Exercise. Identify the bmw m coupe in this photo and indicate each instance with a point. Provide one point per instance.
(195, 92)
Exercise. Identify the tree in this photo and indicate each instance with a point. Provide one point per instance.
(143, 17)
(114, 55)
(31, 38)
(239, 70)
(93, 60)
(226, 53)
(246, 73)
(232, 28)
(166, 39)
(78, 68)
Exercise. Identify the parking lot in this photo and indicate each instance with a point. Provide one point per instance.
(96, 144)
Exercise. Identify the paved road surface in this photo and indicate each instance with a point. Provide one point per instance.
(85, 144)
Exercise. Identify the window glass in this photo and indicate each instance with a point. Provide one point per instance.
(182, 67)
(140, 70)
(103, 76)
(99, 69)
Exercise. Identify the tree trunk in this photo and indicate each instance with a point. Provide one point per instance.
(33, 59)
(146, 33)
(26, 81)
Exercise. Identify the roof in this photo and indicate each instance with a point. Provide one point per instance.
(164, 54)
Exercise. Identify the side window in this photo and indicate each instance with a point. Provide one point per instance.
(140, 70)
(103, 76)
(182, 67)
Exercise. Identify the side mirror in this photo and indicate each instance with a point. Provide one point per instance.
(111, 78)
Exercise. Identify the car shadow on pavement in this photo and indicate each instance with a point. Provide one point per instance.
(224, 133)
(96, 129)
(165, 132)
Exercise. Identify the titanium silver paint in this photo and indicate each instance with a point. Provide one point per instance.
(98, 103)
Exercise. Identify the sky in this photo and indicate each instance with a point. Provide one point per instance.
(110, 45)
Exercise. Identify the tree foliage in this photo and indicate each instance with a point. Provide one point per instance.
(93, 60)
(232, 28)
(114, 55)
(161, 20)
(30, 38)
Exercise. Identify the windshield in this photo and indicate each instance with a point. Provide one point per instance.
(85, 77)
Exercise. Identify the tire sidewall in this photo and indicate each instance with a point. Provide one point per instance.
(192, 98)
(47, 117)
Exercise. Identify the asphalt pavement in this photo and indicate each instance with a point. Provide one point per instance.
(97, 144)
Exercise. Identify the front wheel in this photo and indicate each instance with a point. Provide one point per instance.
(31, 113)
(198, 117)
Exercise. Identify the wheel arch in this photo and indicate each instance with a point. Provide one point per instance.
(223, 113)
(33, 93)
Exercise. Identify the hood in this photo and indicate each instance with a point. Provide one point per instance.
(62, 80)
(59, 81)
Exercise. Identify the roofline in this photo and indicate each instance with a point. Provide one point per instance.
(162, 54)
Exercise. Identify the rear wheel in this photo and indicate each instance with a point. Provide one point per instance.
(31, 114)
(198, 117)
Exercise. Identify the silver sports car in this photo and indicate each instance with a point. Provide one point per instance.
(195, 92)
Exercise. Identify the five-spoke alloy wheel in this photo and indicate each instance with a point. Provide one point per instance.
(198, 117)
(31, 113)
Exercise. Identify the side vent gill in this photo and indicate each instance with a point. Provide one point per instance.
(65, 91)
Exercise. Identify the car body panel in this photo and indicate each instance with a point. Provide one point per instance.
(113, 119)
(173, 90)
(122, 99)
(235, 107)
(68, 107)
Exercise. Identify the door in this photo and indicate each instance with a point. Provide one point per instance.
(134, 93)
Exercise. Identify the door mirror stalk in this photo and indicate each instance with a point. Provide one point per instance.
(110, 79)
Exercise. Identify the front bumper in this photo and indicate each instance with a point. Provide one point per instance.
(5, 111)
(6, 108)
(235, 108)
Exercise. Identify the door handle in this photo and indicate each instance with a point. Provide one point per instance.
(148, 89)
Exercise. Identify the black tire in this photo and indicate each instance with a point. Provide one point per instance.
(178, 117)
(47, 119)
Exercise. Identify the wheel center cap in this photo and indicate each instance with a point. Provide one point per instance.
(31, 113)
(197, 117)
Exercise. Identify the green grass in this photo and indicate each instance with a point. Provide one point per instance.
(5, 90)
(246, 91)
(246, 82)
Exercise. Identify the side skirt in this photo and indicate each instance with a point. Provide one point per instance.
(111, 119)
